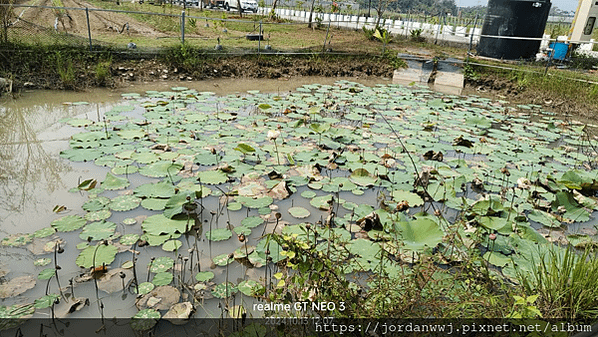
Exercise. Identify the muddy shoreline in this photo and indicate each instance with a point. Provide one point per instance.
(79, 71)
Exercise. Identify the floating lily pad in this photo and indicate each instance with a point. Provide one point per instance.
(219, 234)
(42, 262)
(162, 279)
(224, 290)
(421, 233)
(145, 319)
(46, 301)
(129, 239)
(96, 256)
(299, 212)
(146, 287)
(98, 215)
(222, 260)
(172, 245)
(98, 230)
(124, 203)
(112, 182)
(161, 264)
(204, 276)
(17, 240)
(251, 288)
(68, 223)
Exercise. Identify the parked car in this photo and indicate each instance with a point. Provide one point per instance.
(246, 5)
(213, 3)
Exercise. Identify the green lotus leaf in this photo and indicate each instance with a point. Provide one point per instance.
(544, 218)
(178, 203)
(154, 204)
(206, 158)
(161, 189)
(492, 222)
(68, 223)
(131, 134)
(363, 178)
(420, 233)
(94, 256)
(496, 258)
(162, 279)
(87, 185)
(159, 224)
(219, 234)
(129, 239)
(79, 122)
(412, 199)
(204, 276)
(124, 203)
(216, 177)
(17, 240)
(42, 262)
(171, 245)
(299, 212)
(96, 204)
(256, 202)
(308, 194)
(322, 202)
(113, 182)
(161, 264)
(479, 121)
(251, 288)
(222, 260)
(44, 232)
(224, 290)
(98, 215)
(46, 274)
(145, 157)
(244, 148)
(161, 169)
(124, 169)
(145, 319)
(83, 155)
(234, 206)
(252, 221)
(146, 287)
(98, 230)
(46, 301)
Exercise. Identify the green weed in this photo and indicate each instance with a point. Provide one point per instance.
(565, 282)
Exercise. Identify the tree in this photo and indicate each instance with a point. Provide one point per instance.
(311, 13)
(272, 12)
(6, 15)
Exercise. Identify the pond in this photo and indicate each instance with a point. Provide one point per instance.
(158, 200)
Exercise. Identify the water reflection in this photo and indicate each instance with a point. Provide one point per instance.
(24, 163)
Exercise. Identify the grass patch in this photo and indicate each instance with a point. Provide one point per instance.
(565, 283)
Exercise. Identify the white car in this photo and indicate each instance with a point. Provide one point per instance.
(246, 5)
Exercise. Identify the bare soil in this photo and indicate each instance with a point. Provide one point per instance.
(75, 22)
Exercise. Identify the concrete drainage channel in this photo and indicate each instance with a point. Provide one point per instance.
(443, 75)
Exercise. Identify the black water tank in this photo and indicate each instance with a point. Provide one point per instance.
(513, 18)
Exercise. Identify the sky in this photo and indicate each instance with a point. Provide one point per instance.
(565, 5)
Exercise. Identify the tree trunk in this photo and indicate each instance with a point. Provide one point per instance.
(272, 12)
(311, 13)
(240, 9)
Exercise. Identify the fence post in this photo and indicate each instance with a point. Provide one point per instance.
(183, 27)
(259, 39)
(88, 28)
(475, 23)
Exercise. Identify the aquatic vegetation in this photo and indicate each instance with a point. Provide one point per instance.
(389, 182)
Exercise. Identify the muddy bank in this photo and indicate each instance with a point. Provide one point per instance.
(79, 70)
(499, 87)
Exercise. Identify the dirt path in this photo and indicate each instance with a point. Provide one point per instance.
(74, 21)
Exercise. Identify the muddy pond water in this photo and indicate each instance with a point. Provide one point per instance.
(322, 139)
